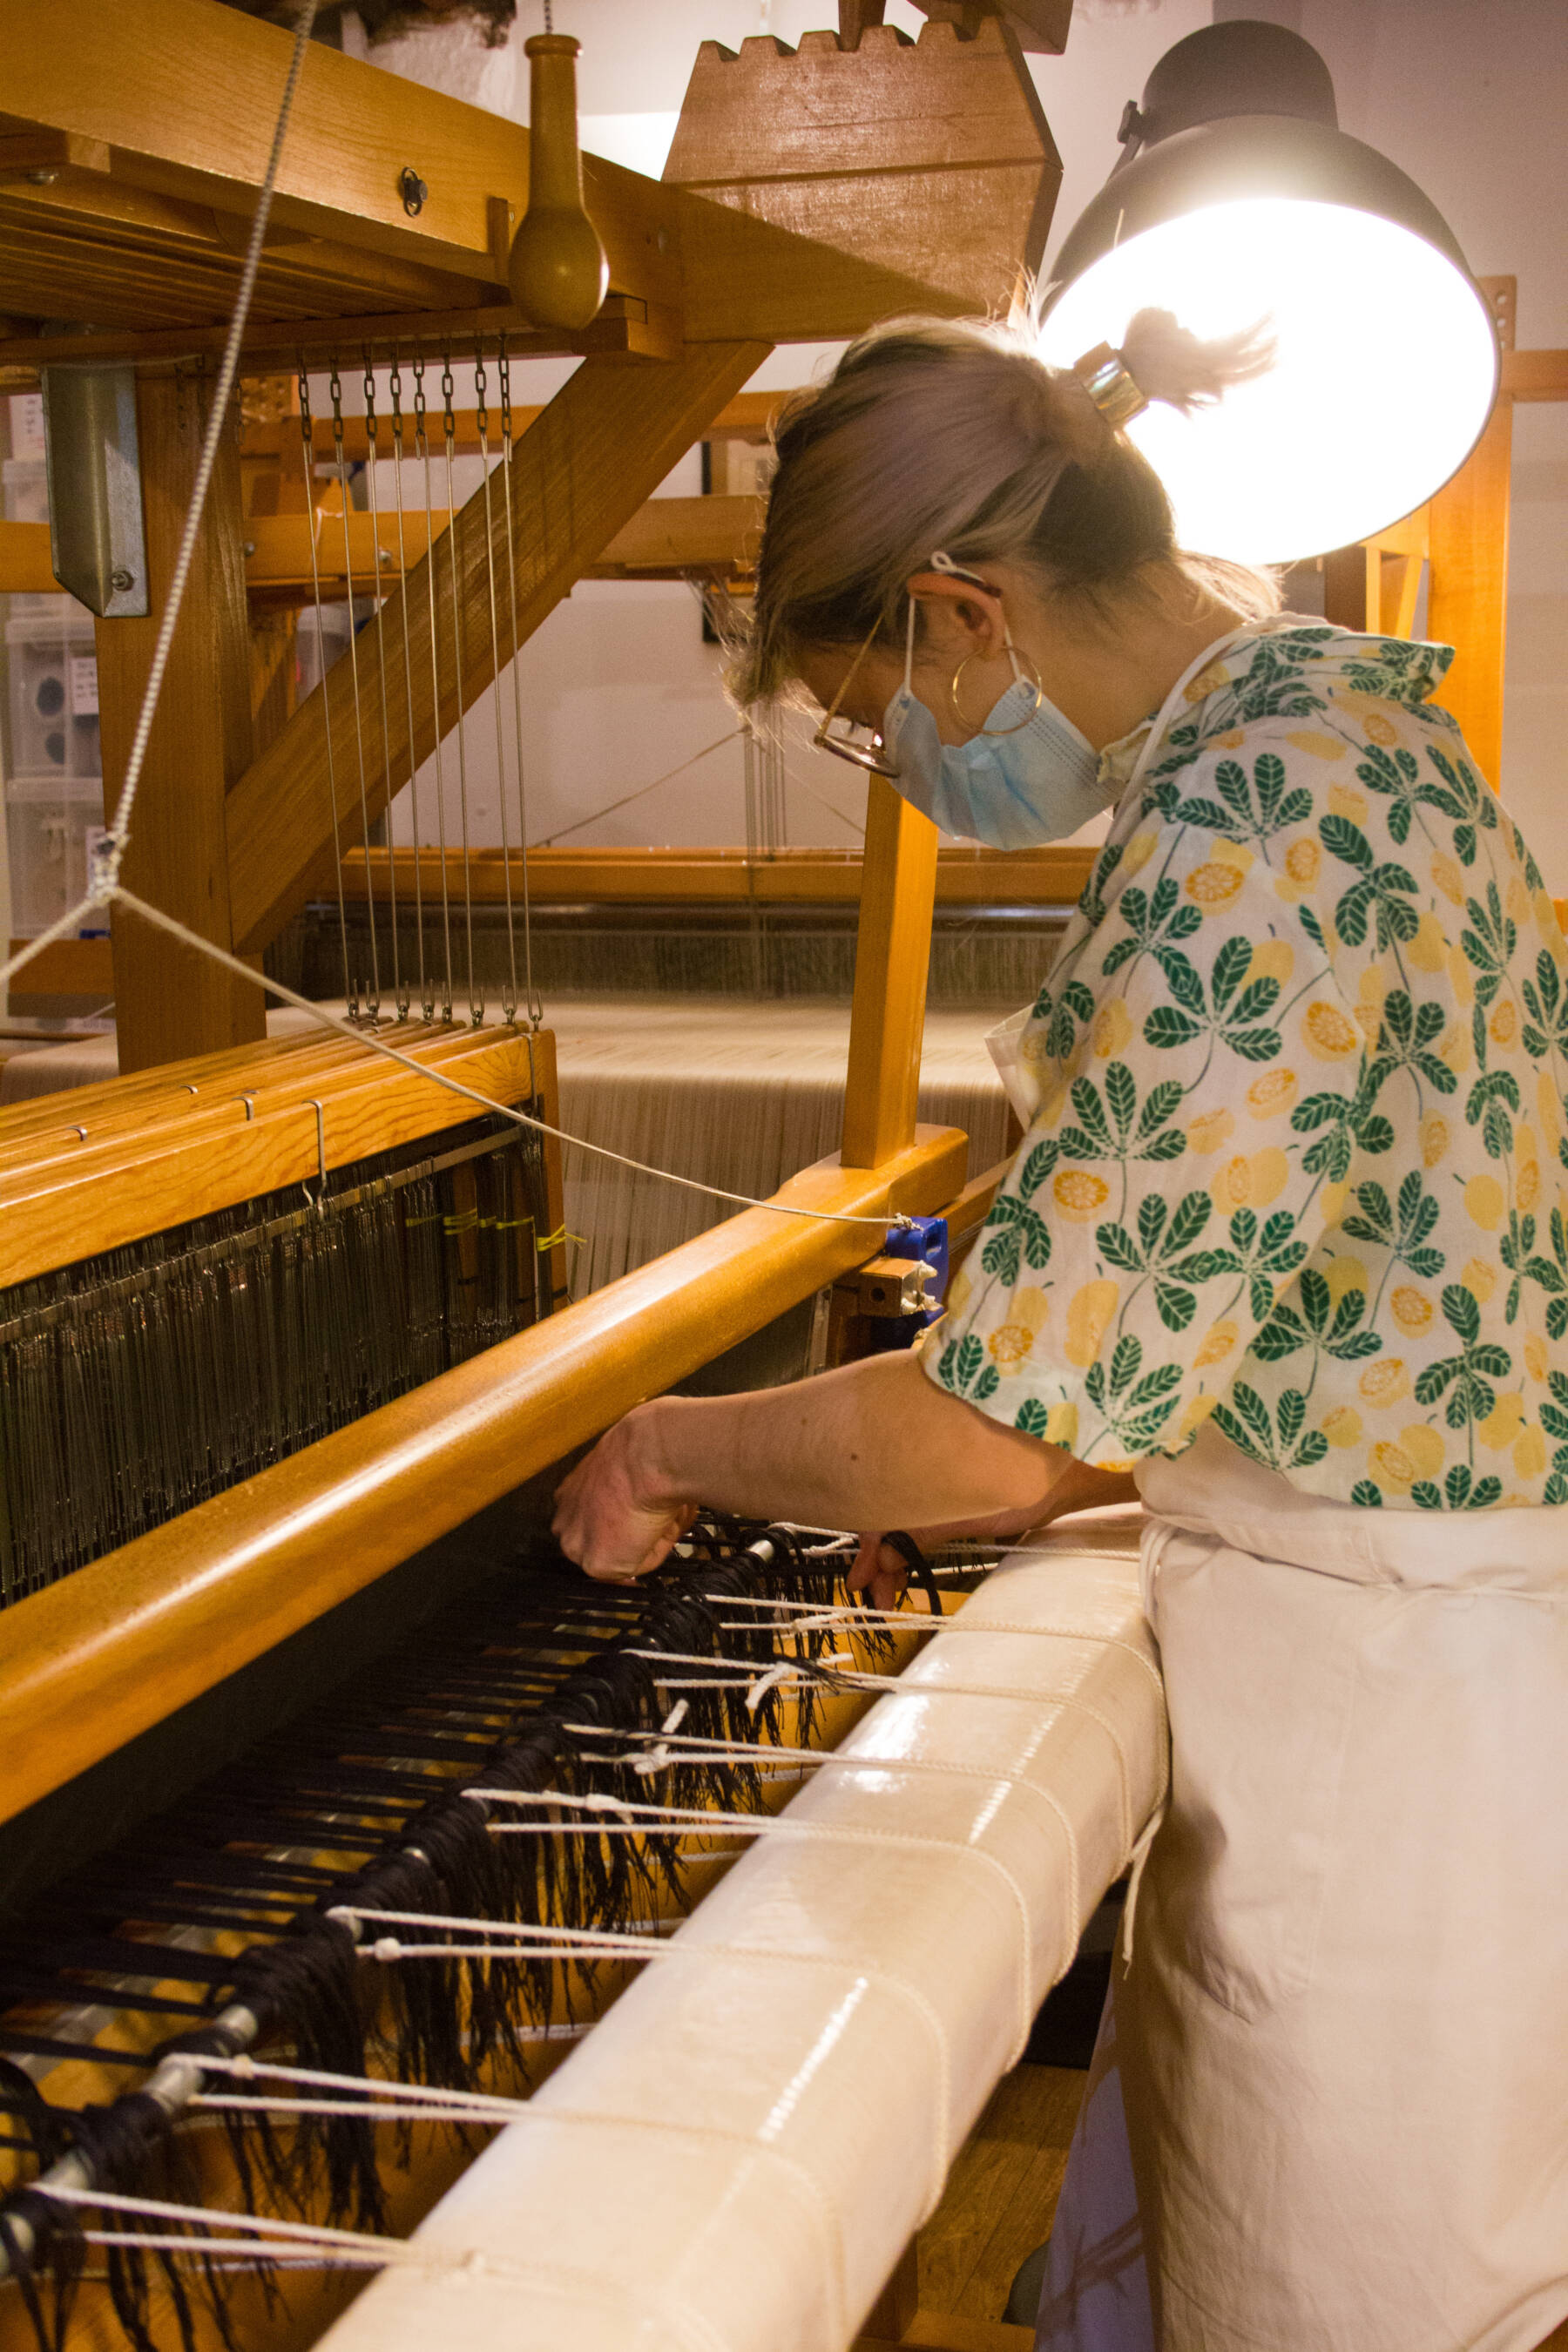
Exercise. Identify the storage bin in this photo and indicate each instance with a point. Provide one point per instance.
(24, 497)
(53, 669)
(50, 823)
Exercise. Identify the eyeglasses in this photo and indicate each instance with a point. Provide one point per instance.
(872, 755)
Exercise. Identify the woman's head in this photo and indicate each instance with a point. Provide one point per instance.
(953, 435)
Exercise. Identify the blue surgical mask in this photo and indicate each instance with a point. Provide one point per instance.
(1029, 777)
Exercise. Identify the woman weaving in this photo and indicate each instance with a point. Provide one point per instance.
(1285, 1248)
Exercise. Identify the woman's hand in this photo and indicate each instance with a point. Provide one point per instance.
(612, 1513)
(881, 1571)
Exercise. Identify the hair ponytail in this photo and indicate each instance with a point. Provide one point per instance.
(954, 433)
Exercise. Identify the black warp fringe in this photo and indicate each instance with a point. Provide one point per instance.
(229, 1856)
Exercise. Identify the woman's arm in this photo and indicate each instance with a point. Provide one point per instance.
(875, 1446)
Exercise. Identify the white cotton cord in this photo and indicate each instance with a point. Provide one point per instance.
(111, 849)
(813, 1617)
(117, 895)
(67, 927)
(348, 2242)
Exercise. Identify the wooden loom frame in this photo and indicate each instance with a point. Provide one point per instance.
(126, 150)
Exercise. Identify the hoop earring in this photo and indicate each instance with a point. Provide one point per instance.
(1033, 679)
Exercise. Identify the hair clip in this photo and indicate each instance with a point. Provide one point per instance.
(1110, 385)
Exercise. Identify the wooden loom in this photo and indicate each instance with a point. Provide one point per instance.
(128, 160)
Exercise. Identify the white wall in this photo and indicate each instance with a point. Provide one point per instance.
(1467, 96)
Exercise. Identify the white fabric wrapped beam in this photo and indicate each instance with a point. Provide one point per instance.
(737, 2155)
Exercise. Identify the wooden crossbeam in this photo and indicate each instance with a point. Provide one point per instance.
(606, 441)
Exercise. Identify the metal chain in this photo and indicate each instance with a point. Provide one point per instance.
(371, 456)
(350, 994)
(335, 386)
(394, 389)
(448, 429)
(535, 1009)
(422, 443)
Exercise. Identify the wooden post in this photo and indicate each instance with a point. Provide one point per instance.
(169, 1002)
(893, 956)
(1466, 606)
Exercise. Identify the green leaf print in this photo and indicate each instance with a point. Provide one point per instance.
(1553, 1276)
(1344, 1124)
(1064, 1016)
(1545, 1028)
(1134, 1409)
(1461, 1491)
(1493, 1096)
(1092, 906)
(1316, 1322)
(1402, 1231)
(1042, 1159)
(1265, 1255)
(1514, 1249)
(1162, 1250)
(1367, 1495)
(1154, 918)
(1406, 1037)
(1245, 811)
(1382, 891)
(1489, 944)
(1015, 1236)
(987, 1384)
(1032, 1417)
(1555, 1422)
(1465, 1378)
(1281, 1439)
(1233, 1009)
(1115, 1129)
(1466, 800)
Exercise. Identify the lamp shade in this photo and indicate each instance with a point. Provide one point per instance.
(1385, 355)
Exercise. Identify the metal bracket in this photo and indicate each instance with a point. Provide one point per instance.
(97, 544)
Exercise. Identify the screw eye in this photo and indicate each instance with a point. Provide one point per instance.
(412, 190)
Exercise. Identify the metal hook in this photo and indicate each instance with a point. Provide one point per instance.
(247, 1097)
(320, 1201)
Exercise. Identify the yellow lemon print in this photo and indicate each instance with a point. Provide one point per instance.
(1275, 1091)
(1081, 1195)
(1088, 1319)
(1386, 1382)
(1518, 905)
(1207, 681)
(1537, 1359)
(1503, 1026)
(1210, 1129)
(1213, 886)
(1342, 1426)
(1010, 1343)
(1272, 960)
(1504, 1421)
(1461, 979)
(1450, 879)
(1479, 1279)
(1392, 1467)
(1455, 1048)
(1428, 950)
(1061, 1425)
(1549, 1104)
(1372, 986)
(1303, 861)
(1546, 919)
(1250, 1180)
(959, 1292)
(1529, 1453)
(1527, 1184)
(1216, 1343)
(1485, 1202)
(1410, 1307)
(1346, 802)
(1195, 1412)
(1139, 851)
(1326, 1032)
(1232, 740)
(1425, 1447)
(1112, 1028)
(1343, 1274)
(1433, 1133)
(1378, 729)
(1317, 747)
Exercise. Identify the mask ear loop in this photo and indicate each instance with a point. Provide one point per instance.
(942, 562)
(910, 650)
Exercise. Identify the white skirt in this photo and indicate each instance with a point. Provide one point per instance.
(1343, 2040)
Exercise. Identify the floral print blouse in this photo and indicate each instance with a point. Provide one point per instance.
(1298, 1163)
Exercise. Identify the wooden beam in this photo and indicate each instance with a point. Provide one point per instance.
(67, 967)
(604, 443)
(893, 956)
(202, 740)
(1466, 601)
(119, 1645)
(747, 417)
(1535, 375)
(1053, 877)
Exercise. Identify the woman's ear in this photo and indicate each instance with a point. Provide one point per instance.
(961, 616)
